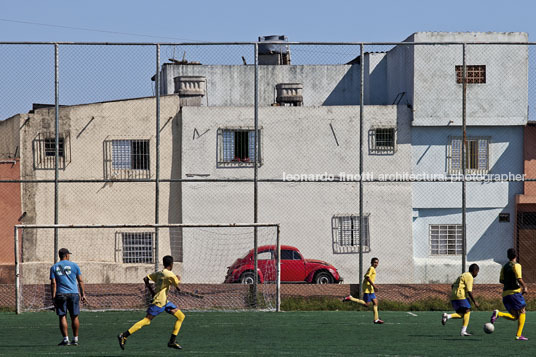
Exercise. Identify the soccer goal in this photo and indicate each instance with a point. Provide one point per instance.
(215, 262)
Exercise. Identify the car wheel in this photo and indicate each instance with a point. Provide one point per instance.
(247, 278)
(323, 278)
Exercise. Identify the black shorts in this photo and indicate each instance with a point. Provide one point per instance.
(67, 302)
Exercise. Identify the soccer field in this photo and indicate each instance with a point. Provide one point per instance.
(324, 333)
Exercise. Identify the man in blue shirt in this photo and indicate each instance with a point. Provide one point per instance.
(65, 277)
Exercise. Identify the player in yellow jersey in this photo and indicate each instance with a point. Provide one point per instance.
(513, 289)
(369, 289)
(163, 279)
(461, 291)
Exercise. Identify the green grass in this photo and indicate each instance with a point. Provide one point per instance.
(429, 304)
(314, 333)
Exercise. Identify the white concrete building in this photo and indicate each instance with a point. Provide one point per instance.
(207, 127)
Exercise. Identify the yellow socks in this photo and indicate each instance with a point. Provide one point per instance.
(359, 301)
(455, 316)
(520, 324)
(507, 316)
(376, 317)
(180, 318)
(138, 325)
(466, 318)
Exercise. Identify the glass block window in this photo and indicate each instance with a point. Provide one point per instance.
(446, 239)
(138, 247)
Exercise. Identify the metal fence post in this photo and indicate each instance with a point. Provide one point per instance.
(278, 272)
(361, 120)
(17, 272)
(157, 178)
(255, 171)
(464, 150)
(56, 148)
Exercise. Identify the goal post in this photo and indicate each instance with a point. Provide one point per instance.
(215, 262)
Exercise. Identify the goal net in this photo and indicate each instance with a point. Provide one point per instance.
(215, 263)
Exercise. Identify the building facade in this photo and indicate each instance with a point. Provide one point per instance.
(308, 125)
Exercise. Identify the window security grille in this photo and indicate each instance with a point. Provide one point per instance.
(474, 74)
(345, 232)
(127, 159)
(476, 155)
(44, 151)
(382, 140)
(236, 147)
(446, 239)
(138, 247)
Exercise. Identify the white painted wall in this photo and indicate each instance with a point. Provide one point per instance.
(300, 140)
(234, 85)
(502, 100)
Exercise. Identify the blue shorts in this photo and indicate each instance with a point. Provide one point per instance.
(156, 310)
(514, 302)
(67, 302)
(460, 304)
(368, 297)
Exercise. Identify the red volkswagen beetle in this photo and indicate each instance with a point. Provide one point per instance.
(294, 268)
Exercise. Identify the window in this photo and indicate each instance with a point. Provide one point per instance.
(446, 239)
(290, 255)
(236, 147)
(138, 247)
(127, 159)
(44, 151)
(475, 74)
(382, 140)
(476, 155)
(266, 255)
(345, 232)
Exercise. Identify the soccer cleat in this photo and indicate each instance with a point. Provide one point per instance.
(64, 343)
(378, 322)
(73, 343)
(521, 338)
(347, 298)
(465, 334)
(494, 316)
(174, 345)
(122, 341)
(444, 319)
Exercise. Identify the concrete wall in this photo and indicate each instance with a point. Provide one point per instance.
(502, 100)
(400, 73)
(440, 203)
(234, 85)
(9, 137)
(97, 203)
(298, 140)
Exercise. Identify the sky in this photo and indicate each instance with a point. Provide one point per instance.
(230, 21)
(97, 73)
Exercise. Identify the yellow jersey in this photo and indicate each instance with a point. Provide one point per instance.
(371, 274)
(462, 286)
(163, 280)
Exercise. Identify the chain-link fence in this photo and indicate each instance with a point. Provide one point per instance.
(433, 172)
(114, 259)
